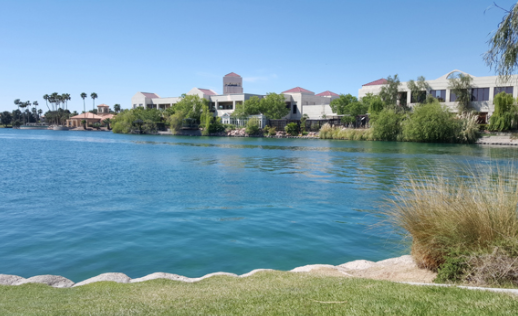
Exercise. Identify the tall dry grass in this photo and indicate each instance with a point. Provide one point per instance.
(329, 132)
(472, 214)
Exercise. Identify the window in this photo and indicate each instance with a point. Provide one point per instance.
(140, 105)
(294, 109)
(480, 94)
(508, 90)
(419, 97)
(439, 95)
(453, 96)
(288, 105)
(134, 106)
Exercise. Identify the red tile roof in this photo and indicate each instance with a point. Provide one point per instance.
(232, 74)
(377, 82)
(150, 95)
(298, 90)
(207, 91)
(103, 106)
(328, 94)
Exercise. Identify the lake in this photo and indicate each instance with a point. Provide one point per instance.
(78, 204)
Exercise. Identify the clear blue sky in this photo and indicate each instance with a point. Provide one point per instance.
(117, 48)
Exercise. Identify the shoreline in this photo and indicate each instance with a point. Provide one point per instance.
(399, 269)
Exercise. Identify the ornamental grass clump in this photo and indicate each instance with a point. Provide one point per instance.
(455, 223)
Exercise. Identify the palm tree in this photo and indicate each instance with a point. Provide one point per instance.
(40, 111)
(93, 96)
(23, 105)
(83, 96)
(66, 97)
(34, 109)
(117, 108)
(54, 100)
(46, 98)
(107, 123)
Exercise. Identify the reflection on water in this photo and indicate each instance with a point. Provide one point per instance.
(78, 204)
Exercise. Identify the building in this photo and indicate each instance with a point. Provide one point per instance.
(300, 101)
(103, 113)
(482, 94)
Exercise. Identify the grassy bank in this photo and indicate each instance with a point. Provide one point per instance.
(266, 293)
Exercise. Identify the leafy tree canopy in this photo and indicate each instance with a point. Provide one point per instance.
(461, 87)
(6, 118)
(503, 46)
(340, 104)
(505, 114)
(191, 106)
(418, 89)
(274, 106)
(390, 91)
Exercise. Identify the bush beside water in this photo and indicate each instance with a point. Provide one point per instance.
(466, 228)
(429, 122)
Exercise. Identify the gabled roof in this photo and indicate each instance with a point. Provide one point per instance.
(328, 94)
(232, 74)
(207, 91)
(150, 95)
(298, 90)
(376, 82)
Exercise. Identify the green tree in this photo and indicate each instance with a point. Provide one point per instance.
(338, 105)
(431, 122)
(418, 89)
(6, 118)
(390, 92)
(46, 98)
(251, 106)
(461, 87)
(191, 106)
(502, 55)
(83, 96)
(505, 114)
(352, 110)
(387, 125)
(274, 106)
(373, 102)
(205, 119)
(94, 96)
(117, 108)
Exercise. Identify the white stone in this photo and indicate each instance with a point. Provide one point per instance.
(9, 279)
(114, 277)
(52, 280)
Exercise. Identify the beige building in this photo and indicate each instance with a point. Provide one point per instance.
(300, 101)
(103, 113)
(482, 93)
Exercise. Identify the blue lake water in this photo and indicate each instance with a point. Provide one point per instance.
(78, 204)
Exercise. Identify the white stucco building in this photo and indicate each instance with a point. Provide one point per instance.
(300, 101)
(482, 94)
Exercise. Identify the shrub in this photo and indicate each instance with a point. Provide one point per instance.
(474, 214)
(326, 131)
(216, 126)
(387, 125)
(468, 128)
(229, 127)
(252, 126)
(505, 113)
(431, 122)
(292, 129)
(270, 130)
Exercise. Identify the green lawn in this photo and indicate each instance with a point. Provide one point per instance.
(265, 293)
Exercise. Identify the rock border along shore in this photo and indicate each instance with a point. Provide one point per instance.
(401, 270)
(350, 269)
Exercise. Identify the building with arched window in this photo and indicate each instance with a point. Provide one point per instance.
(482, 92)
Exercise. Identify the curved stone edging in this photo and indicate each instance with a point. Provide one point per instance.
(398, 269)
